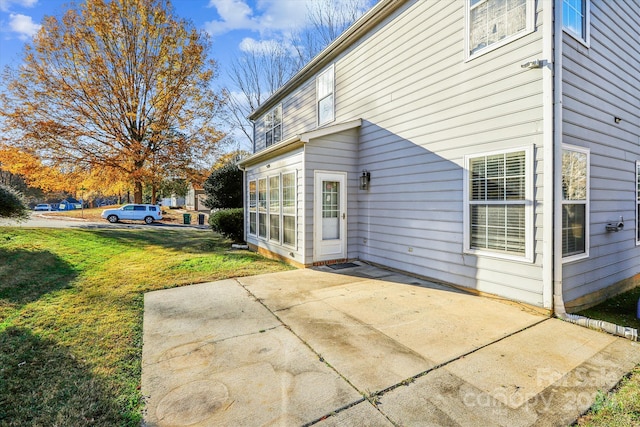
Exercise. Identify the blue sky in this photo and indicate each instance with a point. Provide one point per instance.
(233, 24)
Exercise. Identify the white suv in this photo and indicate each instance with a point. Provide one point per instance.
(146, 213)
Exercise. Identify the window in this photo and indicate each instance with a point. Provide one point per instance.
(324, 96)
(289, 208)
(273, 125)
(575, 196)
(262, 207)
(574, 18)
(638, 202)
(152, 208)
(274, 208)
(253, 214)
(496, 22)
(498, 214)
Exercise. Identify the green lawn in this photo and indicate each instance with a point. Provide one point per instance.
(621, 407)
(71, 305)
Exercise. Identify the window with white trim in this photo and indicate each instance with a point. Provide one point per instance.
(575, 202)
(262, 208)
(253, 213)
(289, 208)
(575, 14)
(274, 208)
(324, 96)
(496, 22)
(498, 213)
(273, 126)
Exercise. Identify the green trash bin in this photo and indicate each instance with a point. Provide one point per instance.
(186, 218)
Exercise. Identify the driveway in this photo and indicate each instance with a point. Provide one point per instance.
(365, 346)
(42, 220)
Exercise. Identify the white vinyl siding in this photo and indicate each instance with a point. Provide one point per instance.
(637, 202)
(493, 23)
(325, 96)
(599, 84)
(575, 202)
(498, 202)
(575, 18)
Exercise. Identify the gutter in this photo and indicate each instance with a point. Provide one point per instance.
(559, 309)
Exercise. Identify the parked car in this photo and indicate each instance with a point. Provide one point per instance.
(146, 213)
(42, 207)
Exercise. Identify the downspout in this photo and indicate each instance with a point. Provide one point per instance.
(556, 152)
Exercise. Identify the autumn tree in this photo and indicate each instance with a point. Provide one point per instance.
(120, 85)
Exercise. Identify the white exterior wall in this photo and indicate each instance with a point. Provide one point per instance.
(600, 82)
(334, 153)
(424, 108)
(290, 162)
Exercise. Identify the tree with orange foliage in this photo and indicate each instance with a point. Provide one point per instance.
(119, 85)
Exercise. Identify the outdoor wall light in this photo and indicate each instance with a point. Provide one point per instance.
(364, 180)
(617, 120)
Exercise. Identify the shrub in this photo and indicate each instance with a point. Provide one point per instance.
(11, 204)
(229, 223)
(224, 188)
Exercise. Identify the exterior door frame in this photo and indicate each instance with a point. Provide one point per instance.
(330, 249)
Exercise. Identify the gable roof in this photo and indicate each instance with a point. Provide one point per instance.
(369, 20)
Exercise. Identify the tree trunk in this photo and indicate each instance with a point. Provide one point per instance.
(154, 193)
(137, 192)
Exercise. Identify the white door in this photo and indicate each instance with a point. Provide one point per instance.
(330, 216)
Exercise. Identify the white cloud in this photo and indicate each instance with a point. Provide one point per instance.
(234, 15)
(5, 5)
(23, 25)
(249, 44)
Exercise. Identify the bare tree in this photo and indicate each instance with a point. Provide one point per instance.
(257, 74)
(263, 69)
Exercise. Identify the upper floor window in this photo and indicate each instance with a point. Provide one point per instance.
(575, 14)
(575, 202)
(498, 210)
(324, 96)
(273, 126)
(492, 23)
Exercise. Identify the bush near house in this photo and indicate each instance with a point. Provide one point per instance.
(224, 188)
(229, 223)
(11, 204)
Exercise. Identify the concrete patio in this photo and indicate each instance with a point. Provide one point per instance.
(365, 346)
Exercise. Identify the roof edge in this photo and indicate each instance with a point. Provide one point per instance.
(324, 131)
(368, 21)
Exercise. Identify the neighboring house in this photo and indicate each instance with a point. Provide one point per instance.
(498, 145)
(195, 198)
(173, 201)
(69, 204)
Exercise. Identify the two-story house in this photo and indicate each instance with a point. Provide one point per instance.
(489, 144)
